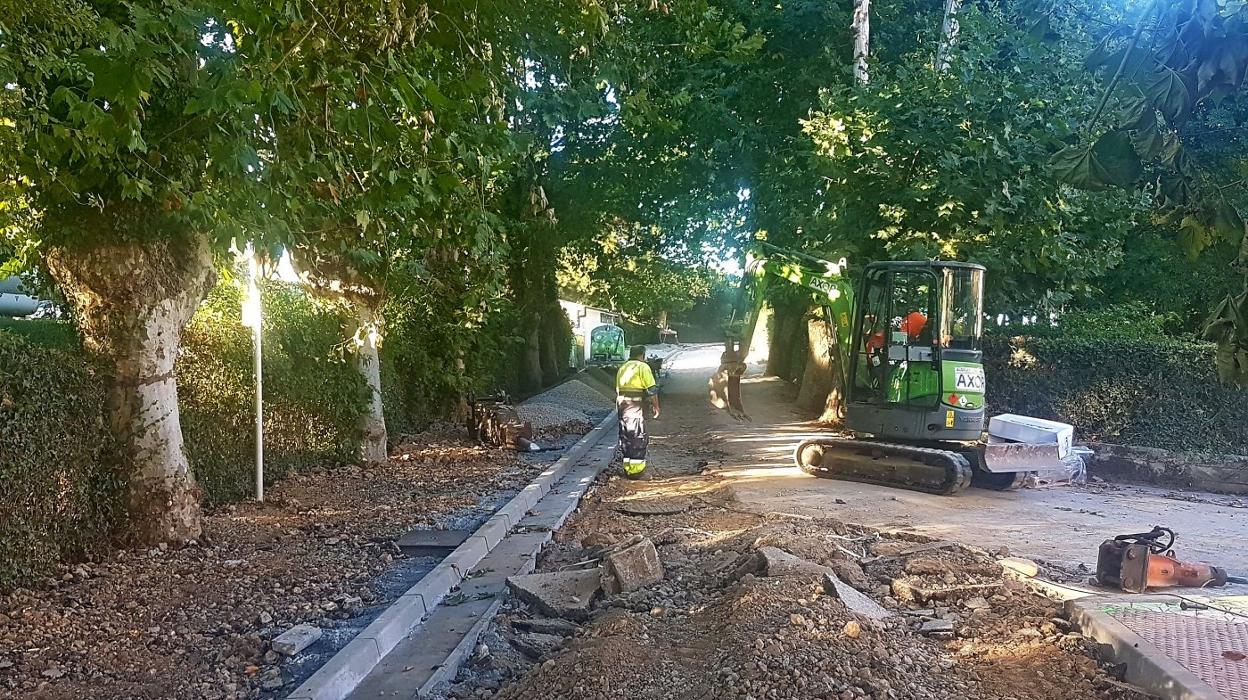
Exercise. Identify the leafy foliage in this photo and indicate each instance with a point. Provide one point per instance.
(61, 497)
(1151, 392)
(918, 165)
(313, 397)
(623, 269)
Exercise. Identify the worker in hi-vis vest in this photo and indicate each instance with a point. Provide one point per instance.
(634, 383)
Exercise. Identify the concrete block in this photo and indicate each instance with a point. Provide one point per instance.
(296, 639)
(466, 556)
(566, 594)
(436, 584)
(777, 562)
(853, 599)
(631, 568)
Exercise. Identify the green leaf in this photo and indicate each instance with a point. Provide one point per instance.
(1227, 221)
(1170, 94)
(1148, 141)
(435, 96)
(1110, 162)
(1194, 236)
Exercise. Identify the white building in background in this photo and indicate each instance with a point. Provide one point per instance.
(584, 319)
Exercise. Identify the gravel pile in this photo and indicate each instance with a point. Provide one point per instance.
(569, 402)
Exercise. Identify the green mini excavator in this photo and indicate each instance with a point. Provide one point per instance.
(907, 348)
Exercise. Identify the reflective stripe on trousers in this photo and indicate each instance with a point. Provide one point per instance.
(633, 438)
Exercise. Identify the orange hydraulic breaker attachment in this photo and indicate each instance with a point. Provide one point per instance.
(1136, 563)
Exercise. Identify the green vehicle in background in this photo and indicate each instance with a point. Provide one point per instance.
(607, 346)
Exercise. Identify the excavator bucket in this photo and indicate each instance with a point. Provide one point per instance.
(725, 384)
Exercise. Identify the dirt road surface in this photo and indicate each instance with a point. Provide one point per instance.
(1062, 525)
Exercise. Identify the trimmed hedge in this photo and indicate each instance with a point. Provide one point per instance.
(313, 397)
(1143, 391)
(60, 497)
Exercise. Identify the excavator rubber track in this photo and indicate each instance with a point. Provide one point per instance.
(924, 469)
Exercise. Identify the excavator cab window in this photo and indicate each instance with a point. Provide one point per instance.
(894, 357)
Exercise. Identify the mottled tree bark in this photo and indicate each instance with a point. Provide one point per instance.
(132, 302)
(948, 35)
(531, 367)
(821, 388)
(549, 348)
(373, 435)
(862, 39)
(784, 336)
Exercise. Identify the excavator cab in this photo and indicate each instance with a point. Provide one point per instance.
(915, 364)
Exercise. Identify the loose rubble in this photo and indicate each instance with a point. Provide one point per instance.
(752, 606)
(201, 621)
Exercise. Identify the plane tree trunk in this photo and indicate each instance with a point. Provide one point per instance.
(132, 302)
(373, 435)
(862, 40)
(786, 329)
(821, 386)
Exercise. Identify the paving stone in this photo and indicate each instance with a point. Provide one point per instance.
(296, 639)
(565, 594)
(632, 568)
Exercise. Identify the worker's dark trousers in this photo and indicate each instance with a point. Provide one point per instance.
(633, 438)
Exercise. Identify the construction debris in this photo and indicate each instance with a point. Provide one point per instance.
(537, 645)
(855, 601)
(773, 561)
(631, 568)
(296, 639)
(565, 594)
(937, 626)
(545, 625)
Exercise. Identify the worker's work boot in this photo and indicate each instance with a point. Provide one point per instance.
(634, 468)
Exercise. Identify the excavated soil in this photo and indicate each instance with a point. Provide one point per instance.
(196, 622)
(717, 627)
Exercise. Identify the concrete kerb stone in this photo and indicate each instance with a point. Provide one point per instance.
(344, 671)
(394, 623)
(1147, 667)
(447, 670)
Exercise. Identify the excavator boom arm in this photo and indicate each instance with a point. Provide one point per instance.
(766, 262)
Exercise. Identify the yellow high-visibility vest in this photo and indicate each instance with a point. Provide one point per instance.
(634, 378)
